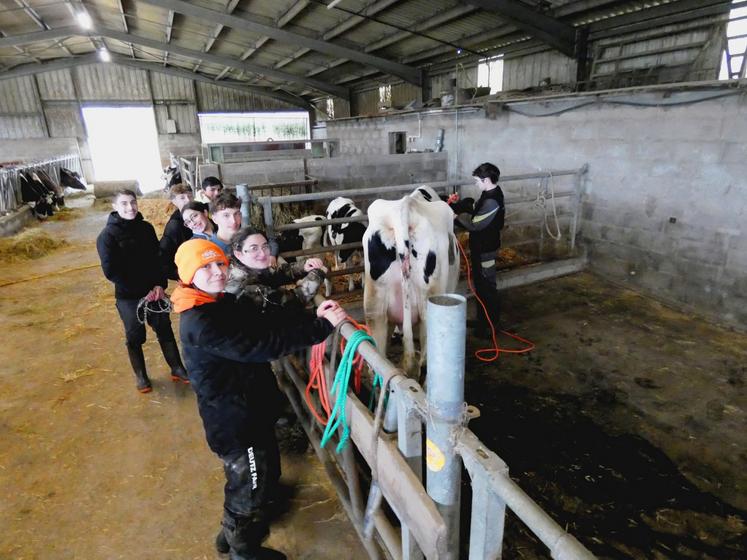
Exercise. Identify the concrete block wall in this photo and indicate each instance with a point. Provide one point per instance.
(665, 201)
(342, 172)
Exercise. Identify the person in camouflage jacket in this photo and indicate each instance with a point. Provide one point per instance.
(251, 278)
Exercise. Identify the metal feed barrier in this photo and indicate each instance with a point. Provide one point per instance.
(423, 517)
(10, 184)
(540, 195)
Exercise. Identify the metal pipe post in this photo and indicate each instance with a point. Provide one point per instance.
(242, 191)
(447, 332)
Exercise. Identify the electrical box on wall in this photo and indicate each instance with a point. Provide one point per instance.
(170, 126)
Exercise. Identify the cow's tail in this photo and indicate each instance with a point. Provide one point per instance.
(402, 240)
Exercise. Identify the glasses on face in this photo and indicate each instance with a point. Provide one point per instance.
(256, 249)
(192, 219)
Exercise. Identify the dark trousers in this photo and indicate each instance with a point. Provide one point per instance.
(251, 480)
(135, 331)
(484, 277)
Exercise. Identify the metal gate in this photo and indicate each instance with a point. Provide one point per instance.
(389, 443)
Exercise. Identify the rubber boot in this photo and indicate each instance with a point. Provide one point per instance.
(263, 553)
(221, 542)
(171, 353)
(137, 359)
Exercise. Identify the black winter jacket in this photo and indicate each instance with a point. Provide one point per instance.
(485, 222)
(226, 347)
(174, 234)
(130, 256)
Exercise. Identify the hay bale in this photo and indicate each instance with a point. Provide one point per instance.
(157, 211)
(32, 243)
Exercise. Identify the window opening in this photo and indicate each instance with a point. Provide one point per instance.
(226, 128)
(385, 96)
(490, 73)
(734, 58)
(397, 142)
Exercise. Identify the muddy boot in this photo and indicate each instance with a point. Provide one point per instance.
(221, 543)
(171, 353)
(263, 553)
(137, 359)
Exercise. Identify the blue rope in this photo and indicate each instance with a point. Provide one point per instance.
(340, 388)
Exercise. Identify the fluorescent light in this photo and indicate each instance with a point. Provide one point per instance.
(84, 20)
(104, 55)
(333, 4)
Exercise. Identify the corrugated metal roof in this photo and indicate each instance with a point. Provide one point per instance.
(312, 20)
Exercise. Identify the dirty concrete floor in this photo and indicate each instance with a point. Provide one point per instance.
(626, 423)
(91, 469)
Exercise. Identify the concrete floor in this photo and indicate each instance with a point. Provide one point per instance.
(91, 469)
(627, 423)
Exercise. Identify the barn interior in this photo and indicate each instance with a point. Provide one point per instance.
(620, 129)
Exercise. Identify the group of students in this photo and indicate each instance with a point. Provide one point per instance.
(235, 318)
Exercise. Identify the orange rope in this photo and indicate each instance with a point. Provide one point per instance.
(318, 382)
(492, 354)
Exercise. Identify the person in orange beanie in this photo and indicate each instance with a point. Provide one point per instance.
(227, 347)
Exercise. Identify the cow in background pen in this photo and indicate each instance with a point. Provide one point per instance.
(339, 234)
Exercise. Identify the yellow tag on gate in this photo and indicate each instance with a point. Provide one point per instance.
(434, 457)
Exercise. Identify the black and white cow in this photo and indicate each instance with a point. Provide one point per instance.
(71, 180)
(301, 239)
(339, 234)
(40, 195)
(410, 254)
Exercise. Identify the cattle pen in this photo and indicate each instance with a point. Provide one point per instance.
(390, 443)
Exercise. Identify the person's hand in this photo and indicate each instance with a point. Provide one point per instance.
(273, 261)
(452, 198)
(331, 311)
(313, 263)
(155, 294)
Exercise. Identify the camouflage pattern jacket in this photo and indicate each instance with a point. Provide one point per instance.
(265, 287)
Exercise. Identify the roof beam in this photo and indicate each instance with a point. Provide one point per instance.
(423, 25)
(125, 27)
(286, 18)
(557, 34)
(407, 73)
(251, 67)
(92, 58)
(31, 12)
(168, 32)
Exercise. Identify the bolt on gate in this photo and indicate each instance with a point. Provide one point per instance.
(390, 443)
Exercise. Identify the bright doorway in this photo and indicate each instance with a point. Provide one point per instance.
(124, 145)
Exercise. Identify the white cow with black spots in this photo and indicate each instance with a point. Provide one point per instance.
(410, 254)
(339, 234)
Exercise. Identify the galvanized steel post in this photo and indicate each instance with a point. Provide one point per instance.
(242, 191)
(447, 325)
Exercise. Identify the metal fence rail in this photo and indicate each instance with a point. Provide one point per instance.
(543, 192)
(10, 185)
(389, 443)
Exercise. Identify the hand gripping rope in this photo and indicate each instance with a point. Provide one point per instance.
(491, 354)
(144, 307)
